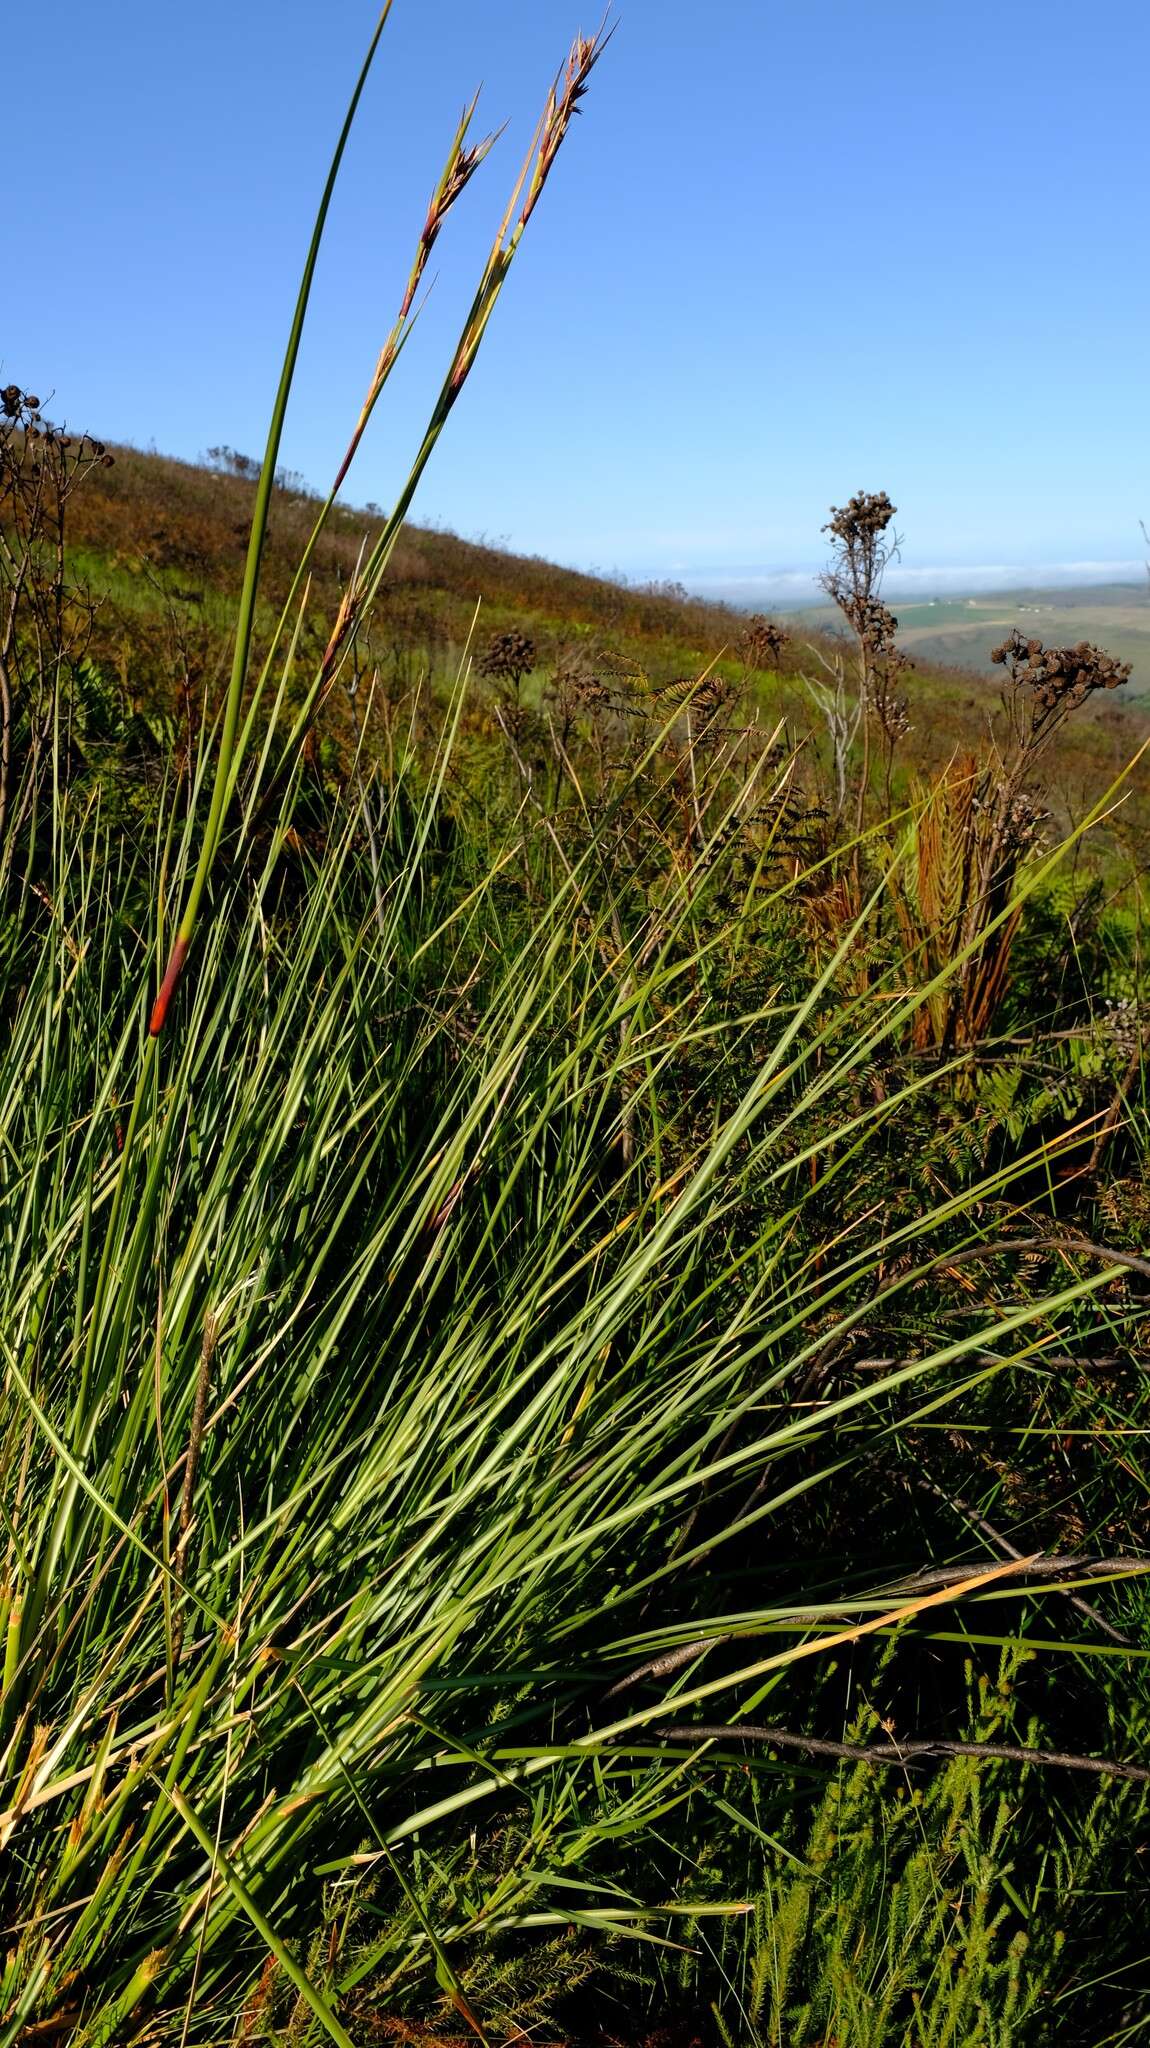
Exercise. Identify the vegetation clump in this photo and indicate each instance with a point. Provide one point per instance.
(1060, 678)
(574, 1314)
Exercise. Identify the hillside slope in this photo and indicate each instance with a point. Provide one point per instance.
(159, 545)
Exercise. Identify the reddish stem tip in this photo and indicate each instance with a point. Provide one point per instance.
(172, 973)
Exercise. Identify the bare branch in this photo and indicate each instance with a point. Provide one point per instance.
(913, 1750)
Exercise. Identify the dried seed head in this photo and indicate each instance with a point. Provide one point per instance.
(863, 546)
(873, 621)
(562, 105)
(461, 168)
(1060, 678)
(508, 657)
(862, 518)
(763, 642)
(1023, 819)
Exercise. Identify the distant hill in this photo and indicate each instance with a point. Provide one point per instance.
(961, 631)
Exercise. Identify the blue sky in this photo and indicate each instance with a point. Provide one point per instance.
(790, 251)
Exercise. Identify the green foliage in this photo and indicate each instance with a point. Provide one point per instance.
(906, 1921)
(346, 1449)
(540, 1280)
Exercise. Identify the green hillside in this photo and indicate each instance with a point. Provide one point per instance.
(158, 544)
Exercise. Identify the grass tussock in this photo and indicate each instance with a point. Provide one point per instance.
(573, 1326)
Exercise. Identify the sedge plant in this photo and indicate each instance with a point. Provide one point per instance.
(378, 1426)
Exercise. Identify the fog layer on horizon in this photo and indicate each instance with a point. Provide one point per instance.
(797, 587)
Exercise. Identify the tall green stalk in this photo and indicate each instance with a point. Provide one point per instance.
(245, 617)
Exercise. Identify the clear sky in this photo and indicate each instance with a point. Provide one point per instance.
(794, 248)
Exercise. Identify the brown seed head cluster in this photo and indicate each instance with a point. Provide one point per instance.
(1060, 677)
(1024, 818)
(763, 642)
(862, 519)
(874, 622)
(20, 415)
(864, 544)
(507, 658)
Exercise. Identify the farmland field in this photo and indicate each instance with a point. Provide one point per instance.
(962, 631)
